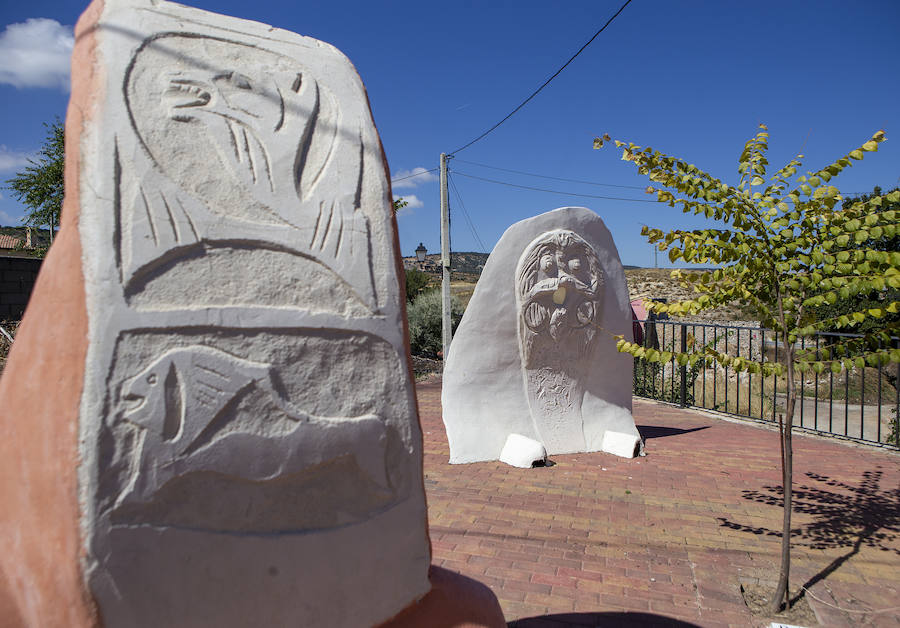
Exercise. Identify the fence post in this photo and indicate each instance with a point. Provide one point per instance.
(684, 368)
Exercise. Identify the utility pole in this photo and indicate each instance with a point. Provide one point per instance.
(445, 258)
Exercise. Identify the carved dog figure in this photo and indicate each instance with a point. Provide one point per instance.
(177, 400)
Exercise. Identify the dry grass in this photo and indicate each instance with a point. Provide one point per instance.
(462, 290)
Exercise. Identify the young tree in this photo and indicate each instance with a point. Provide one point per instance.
(40, 185)
(399, 204)
(832, 312)
(791, 246)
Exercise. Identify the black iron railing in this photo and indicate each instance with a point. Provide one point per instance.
(862, 403)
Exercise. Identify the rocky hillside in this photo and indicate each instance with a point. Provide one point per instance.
(466, 266)
(657, 283)
(643, 283)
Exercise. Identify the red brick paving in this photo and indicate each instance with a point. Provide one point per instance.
(667, 539)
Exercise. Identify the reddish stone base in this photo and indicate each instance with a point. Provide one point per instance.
(455, 601)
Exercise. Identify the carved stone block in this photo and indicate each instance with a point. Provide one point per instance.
(248, 446)
(534, 354)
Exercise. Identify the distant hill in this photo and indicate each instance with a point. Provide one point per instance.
(467, 264)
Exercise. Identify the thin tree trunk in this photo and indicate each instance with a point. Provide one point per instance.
(787, 458)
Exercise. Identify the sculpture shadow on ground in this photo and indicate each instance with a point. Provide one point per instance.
(659, 431)
(844, 516)
(600, 620)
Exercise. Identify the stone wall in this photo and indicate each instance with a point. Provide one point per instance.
(17, 277)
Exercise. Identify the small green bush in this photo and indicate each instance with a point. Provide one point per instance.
(416, 283)
(425, 335)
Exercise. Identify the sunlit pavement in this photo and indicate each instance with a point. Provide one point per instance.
(669, 538)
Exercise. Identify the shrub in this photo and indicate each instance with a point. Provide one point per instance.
(425, 334)
(416, 283)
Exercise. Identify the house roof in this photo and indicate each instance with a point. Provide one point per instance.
(9, 242)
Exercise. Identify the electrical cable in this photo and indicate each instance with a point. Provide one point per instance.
(416, 174)
(613, 185)
(466, 214)
(547, 82)
(544, 176)
(608, 198)
(527, 187)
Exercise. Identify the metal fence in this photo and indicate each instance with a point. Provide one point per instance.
(861, 404)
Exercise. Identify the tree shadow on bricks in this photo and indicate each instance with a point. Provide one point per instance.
(847, 517)
(601, 620)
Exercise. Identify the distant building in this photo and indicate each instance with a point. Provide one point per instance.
(11, 246)
(19, 243)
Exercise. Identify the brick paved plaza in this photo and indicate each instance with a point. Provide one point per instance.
(668, 539)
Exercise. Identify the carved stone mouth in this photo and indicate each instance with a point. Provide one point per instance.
(182, 94)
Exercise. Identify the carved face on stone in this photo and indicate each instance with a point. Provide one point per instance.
(558, 289)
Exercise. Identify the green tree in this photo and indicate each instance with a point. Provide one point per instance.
(40, 186)
(792, 246)
(829, 311)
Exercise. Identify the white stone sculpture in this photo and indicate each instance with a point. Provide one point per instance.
(534, 354)
(251, 453)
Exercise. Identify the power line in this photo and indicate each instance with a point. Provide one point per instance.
(544, 176)
(466, 214)
(527, 187)
(608, 198)
(547, 82)
(416, 174)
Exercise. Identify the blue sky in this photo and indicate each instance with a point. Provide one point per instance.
(690, 78)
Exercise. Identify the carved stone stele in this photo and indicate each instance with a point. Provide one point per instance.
(534, 354)
(248, 447)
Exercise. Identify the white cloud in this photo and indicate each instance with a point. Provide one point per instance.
(412, 200)
(35, 53)
(412, 203)
(412, 178)
(12, 161)
(7, 220)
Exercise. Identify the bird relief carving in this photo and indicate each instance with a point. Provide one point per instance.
(235, 143)
(178, 402)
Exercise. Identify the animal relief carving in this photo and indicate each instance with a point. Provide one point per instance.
(178, 400)
(238, 143)
(250, 451)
